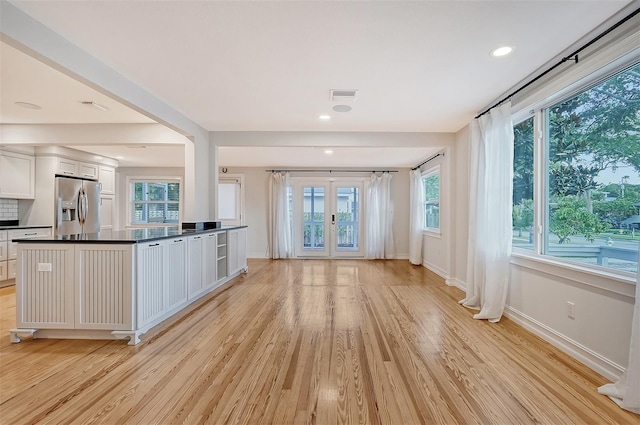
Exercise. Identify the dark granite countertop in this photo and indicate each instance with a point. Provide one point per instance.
(129, 236)
(17, 226)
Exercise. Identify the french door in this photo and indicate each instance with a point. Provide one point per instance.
(328, 218)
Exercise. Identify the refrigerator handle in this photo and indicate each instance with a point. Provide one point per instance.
(85, 206)
(80, 207)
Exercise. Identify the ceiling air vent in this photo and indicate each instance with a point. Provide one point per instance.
(343, 95)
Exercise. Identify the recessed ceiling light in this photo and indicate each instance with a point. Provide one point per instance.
(342, 108)
(501, 51)
(28, 105)
(95, 105)
(324, 117)
(328, 151)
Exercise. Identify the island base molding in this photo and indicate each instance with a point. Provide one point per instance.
(17, 334)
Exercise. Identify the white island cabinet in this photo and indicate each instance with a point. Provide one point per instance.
(115, 287)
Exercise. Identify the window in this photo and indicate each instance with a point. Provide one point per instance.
(230, 200)
(523, 184)
(590, 176)
(154, 202)
(431, 187)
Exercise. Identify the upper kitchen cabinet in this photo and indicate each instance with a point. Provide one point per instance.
(68, 167)
(107, 179)
(17, 175)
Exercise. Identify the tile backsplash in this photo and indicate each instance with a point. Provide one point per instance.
(8, 209)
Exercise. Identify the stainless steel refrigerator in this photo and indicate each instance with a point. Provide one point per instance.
(77, 206)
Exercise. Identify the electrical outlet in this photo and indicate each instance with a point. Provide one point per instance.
(571, 310)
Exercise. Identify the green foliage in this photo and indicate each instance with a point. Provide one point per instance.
(523, 161)
(523, 215)
(431, 186)
(597, 129)
(570, 217)
(613, 212)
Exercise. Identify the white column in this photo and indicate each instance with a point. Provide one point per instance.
(197, 183)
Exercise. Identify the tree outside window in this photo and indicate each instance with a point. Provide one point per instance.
(154, 202)
(431, 186)
(593, 180)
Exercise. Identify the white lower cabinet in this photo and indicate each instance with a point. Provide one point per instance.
(237, 250)
(103, 287)
(9, 249)
(202, 261)
(161, 279)
(45, 286)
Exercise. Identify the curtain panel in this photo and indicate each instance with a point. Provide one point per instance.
(280, 240)
(416, 217)
(626, 391)
(379, 217)
(490, 210)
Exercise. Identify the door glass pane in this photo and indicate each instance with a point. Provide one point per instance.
(348, 216)
(313, 210)
(227, 201)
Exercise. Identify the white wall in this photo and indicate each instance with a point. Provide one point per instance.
(460, 208)
(256, 195)
(538, 292)
(120, 219)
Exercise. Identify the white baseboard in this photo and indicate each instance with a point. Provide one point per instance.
(437, 270)
(256, 255)
(595, 361)
(457, 283)
(401, 257)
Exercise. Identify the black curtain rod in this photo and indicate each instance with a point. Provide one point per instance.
(331, 171)
(572, 57)
(424, 162)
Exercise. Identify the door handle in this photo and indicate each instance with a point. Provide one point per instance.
(333, 219)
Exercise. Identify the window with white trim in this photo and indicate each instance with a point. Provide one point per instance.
(431, 199)
(154, 202)
(588, 205)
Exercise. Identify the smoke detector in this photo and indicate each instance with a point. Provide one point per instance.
(343, 95)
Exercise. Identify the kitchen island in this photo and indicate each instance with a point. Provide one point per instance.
(120, 285)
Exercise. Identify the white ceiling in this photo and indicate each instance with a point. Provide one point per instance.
(419, 66)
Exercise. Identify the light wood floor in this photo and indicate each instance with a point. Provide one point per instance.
(307, 341)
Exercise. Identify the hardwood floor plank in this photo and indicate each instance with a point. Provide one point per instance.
(307, 342)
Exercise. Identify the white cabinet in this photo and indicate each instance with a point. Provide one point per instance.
(68, 287)
(116, 291)
(161, 279)
(103, 295)
(11, 269)
(221, 256)
(210, 276)
(4, 248)
(107, 179)
(45, 300)
(4, 270)
(106, 212)
(236, 250)
(9, 249)
(202, 260)
(196, 248)
(70, 167)
(17, 175)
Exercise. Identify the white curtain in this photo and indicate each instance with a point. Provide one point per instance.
(416, 217)
(379, 216)
(490, 208)
(626, 392)
(280, 242)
